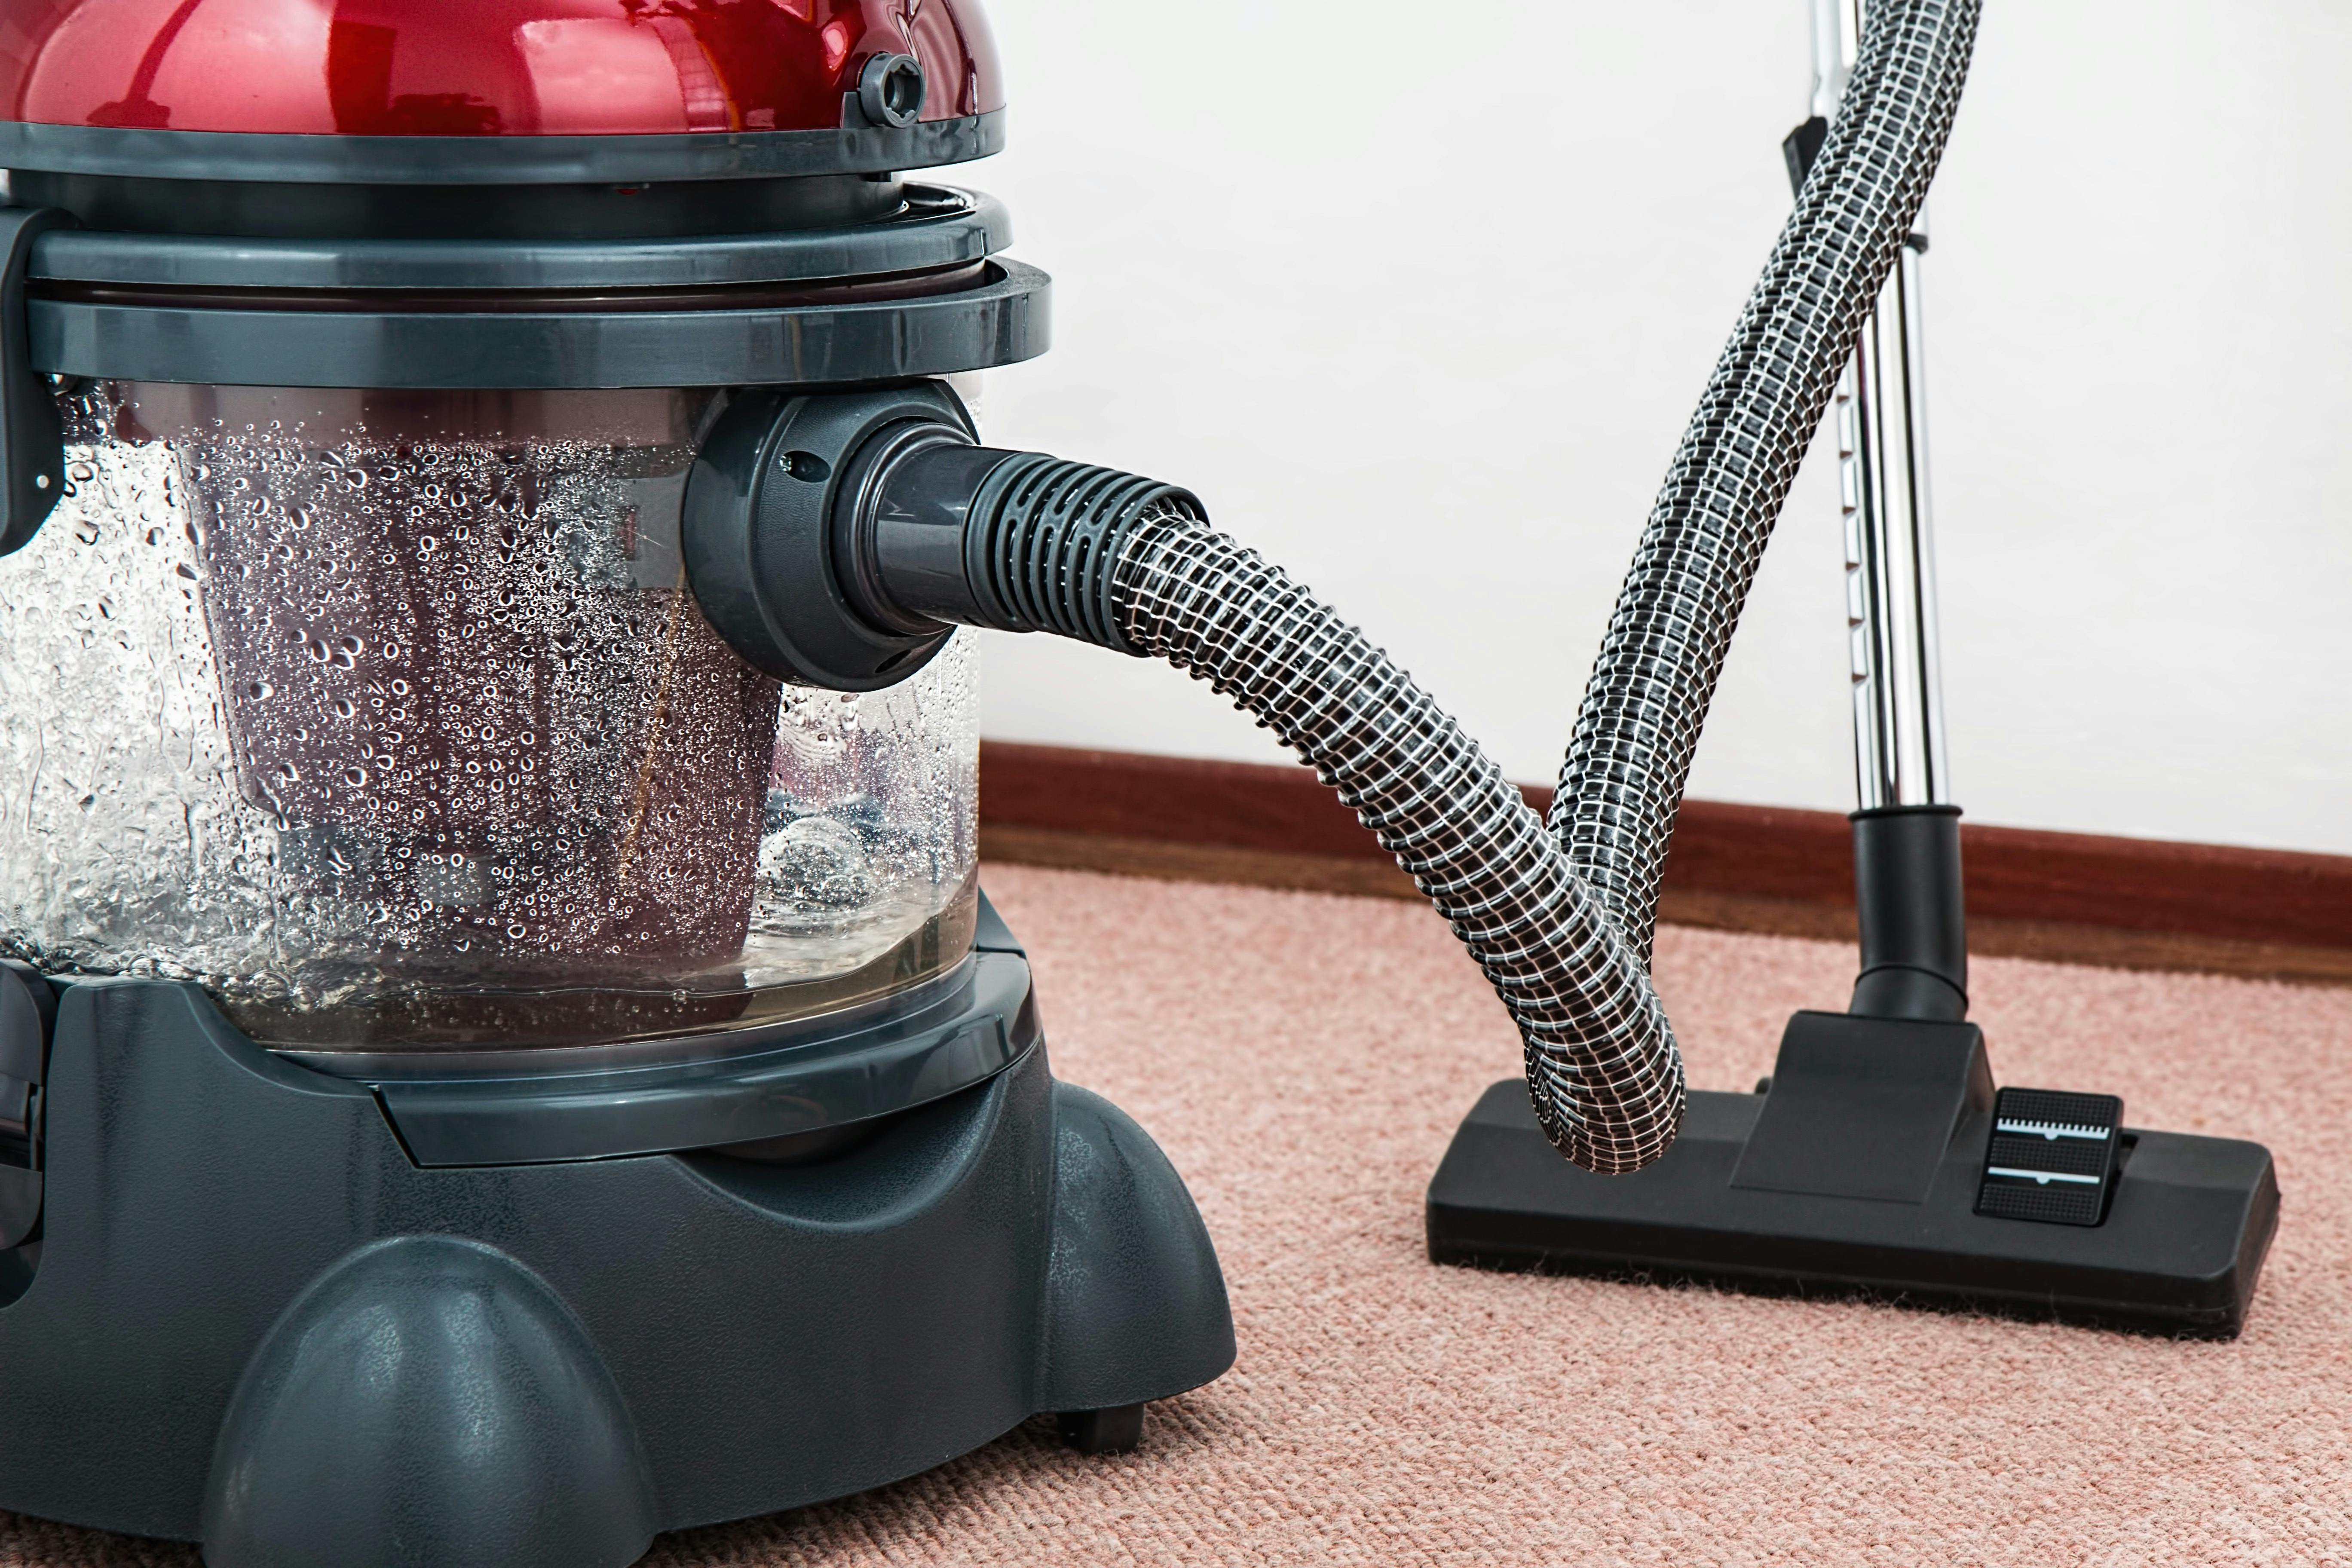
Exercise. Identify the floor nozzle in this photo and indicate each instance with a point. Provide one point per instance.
(1879, 1160)
(1879, 1163)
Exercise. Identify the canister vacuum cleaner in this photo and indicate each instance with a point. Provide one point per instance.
(504, 1051)
(494, 1072)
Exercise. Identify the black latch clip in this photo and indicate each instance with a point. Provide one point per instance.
(32, 441)
(29, 1007)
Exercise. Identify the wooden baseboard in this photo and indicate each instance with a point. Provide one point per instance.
(2052, 941)
(2067, 898)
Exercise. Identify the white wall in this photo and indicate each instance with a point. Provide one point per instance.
(1418, 297)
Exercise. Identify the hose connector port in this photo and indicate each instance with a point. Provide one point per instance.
(762, 551)
(1021, 542)
(899, 524)
(837, 540)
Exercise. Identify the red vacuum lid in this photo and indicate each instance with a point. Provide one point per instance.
(481, 68)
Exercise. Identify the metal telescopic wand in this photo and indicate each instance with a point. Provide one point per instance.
(1906, 833)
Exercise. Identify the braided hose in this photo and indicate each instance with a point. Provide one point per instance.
(1622, 778)
(1602, 1065)
(1560, 916)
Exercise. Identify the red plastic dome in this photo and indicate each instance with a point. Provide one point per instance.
(479, 68)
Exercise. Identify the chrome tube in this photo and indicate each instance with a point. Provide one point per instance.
(1837, 28)
(1881, 429)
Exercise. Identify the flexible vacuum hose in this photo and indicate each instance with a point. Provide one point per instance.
(1560, 917)
(1622, 778)
(1602, 1065)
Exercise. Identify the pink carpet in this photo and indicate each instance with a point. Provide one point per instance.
(1304, 1059)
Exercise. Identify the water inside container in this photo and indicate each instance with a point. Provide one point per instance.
(391, 719)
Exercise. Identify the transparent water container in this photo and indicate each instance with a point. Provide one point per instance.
(390, 719)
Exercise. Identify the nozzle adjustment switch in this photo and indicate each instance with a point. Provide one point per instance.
(2053, 1156)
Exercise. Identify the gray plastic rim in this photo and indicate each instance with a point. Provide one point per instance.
(804, 1082)
(1001, 321)
(497, 160)
(939, 226)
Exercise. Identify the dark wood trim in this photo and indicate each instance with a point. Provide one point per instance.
(2082, 898)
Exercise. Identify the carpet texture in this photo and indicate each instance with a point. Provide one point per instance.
(1304, 1059)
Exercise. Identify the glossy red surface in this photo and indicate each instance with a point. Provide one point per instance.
(478, 67)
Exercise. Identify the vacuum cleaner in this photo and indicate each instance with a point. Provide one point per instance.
(493, 1071)
(503, 1051)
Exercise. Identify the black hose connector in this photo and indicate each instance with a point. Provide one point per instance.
(1020, 541)
(756, 530)
(834, 539)
(1909, 905)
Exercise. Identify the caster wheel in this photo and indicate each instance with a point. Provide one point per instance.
(1113, 1431)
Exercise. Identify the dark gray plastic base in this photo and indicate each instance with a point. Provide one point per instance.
(254, 1321)
(1809, 1209)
